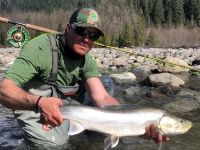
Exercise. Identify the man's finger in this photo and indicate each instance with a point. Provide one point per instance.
(58, 117)
(148, 133)
(46, 127)
(153, 132)
(166, 138)
(160, 138)
(60, 103)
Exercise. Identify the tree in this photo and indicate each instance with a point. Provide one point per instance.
(168, 12)
(158, 13)
(151, 40)
(178, 12)
(139, 32)
(146, 11)
(128, 35)
(60, 27)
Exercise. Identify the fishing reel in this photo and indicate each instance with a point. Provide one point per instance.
(18, 36)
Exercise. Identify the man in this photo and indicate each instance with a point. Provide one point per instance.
(48, 70)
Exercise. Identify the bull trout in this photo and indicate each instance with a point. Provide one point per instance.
(120, 123)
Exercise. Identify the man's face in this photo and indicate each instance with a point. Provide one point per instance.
(80, 40)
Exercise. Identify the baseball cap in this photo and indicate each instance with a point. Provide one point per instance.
(86, 17)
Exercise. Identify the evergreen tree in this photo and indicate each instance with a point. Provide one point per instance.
(107, 40)
(128, 35)
(139, 32)
(198, 14)
(146, 11)
(151, 40)
(121, 42)
(168, 12)
(192, 10)
(178, 12)
(114, 38)
(158, 14)
(60, 27)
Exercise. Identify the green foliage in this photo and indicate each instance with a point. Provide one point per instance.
(139, 32)
(151, 40)
(107, 40)
(178, 12)
(147, 13)
(168, 12)
(60, 28)
(126, 38)
(158, 13)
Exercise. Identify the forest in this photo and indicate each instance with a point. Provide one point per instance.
(126, 23)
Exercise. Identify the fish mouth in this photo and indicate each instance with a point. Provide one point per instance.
(187, 126)
(184, 128)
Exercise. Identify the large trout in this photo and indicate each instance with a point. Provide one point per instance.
(119, 123)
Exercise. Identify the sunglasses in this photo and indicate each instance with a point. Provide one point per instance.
(84, 32)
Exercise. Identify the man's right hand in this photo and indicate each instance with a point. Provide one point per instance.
(50, 112)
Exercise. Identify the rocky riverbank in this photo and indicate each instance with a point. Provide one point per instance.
(113, 59)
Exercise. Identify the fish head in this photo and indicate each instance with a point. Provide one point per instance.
(172, 125)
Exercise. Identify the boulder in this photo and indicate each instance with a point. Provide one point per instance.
(174, 66)
(125, 77)
(165, 79)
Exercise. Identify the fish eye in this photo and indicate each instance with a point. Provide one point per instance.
(182, 121)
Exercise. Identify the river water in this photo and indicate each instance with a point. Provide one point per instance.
(11, 137)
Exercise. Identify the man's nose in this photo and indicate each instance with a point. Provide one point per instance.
(86, 38)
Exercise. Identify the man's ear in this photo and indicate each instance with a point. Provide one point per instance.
(68, 27)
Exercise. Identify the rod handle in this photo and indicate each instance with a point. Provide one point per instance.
(4, 20)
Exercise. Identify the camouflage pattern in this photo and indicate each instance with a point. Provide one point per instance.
(86, 17)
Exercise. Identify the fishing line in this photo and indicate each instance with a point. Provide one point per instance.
(154, 59)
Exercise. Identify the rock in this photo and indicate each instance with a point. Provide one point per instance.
(119, 62)
(182, 105)
(196, 61)
(99, 64)
(168, 90)
(126, 77)
(155, 95)
(165, 79)
(133, 91)
(186, 93)
(166, 67)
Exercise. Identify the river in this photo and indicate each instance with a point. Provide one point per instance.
(11, 135)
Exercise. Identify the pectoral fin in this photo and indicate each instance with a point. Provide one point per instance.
(110, 142)
(75, 128)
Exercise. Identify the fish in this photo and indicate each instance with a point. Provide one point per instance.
(121, 123)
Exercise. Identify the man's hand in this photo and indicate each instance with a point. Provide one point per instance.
(156, 136)
(50, 112)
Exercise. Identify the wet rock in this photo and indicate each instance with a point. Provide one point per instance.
(126, 77)
(155, 95)
(134, 91)
(196, 61)
(165, 79)
(168, 90)
(182, 105)
(119, 62)
(165, 67)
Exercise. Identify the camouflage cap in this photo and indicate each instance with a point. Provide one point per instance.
(86, 17)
